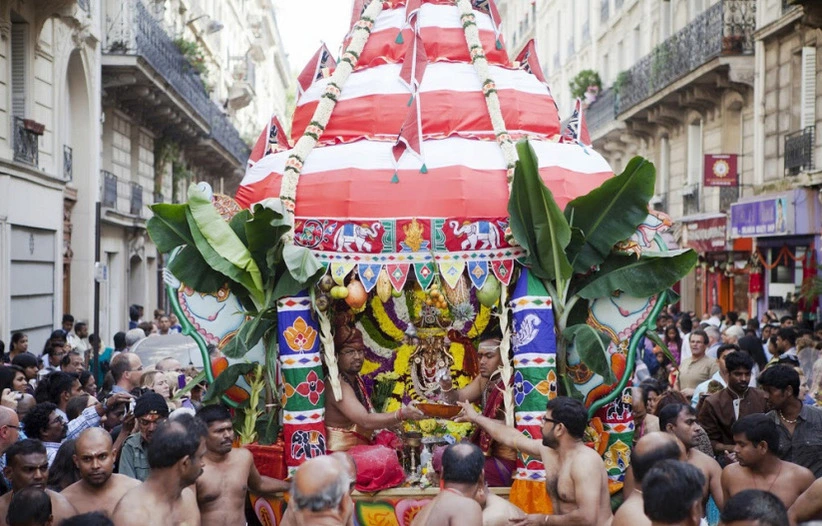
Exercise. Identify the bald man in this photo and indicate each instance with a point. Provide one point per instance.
(99, 488)
(650, 449)
(24, 405)
(319, 493)
(347, 463)
(9, 433)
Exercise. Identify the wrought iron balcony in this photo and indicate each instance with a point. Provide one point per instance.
(135, 32)
(602, 111)
(26, 143)
(124, 197)
(68, 163)
(725, 28)
(799, 151)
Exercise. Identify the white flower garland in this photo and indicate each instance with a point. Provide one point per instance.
(306, 143)
(480, 61)
(504, 347)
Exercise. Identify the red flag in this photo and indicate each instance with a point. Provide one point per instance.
(415, 62)
(529, 61)
(575, 130)
(410, 137)
(272, 140)
(357, 11)
(313, 71)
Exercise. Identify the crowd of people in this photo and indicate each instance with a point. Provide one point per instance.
(726, 419)
(129, 452)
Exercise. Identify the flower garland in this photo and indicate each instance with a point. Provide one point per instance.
(480, 61)
(328, 101)
(507, 369)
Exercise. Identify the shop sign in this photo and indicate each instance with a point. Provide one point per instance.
(766, 217)
(720, 170)
(705, 235)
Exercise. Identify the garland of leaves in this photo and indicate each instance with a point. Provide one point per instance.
(489, 89)
(328, 101)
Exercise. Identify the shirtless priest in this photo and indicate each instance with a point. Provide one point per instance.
(351, 421)
(487, 390)
(575, 475)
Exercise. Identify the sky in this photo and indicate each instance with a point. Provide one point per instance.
(305, 24)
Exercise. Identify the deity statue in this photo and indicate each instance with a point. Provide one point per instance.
(430, 362)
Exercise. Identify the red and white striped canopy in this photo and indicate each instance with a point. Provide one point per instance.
(353, 179)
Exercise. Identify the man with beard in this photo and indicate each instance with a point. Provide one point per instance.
(351, 421)
(487, 389)
(176, 459)
(575, 475)
(150, 411)
(680, 421)
(757, 443)
(720, 410)
(228, 473)
(799, 425)
(27, 467)
(99, 488)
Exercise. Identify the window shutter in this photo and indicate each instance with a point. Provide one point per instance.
(807, 97)
(19, 34)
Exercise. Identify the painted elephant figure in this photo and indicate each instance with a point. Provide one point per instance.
(483, 233)
(359, 236)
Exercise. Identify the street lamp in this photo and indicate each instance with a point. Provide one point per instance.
(213, 25)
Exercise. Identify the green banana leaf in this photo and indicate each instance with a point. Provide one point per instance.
(644, 277)
(250, 333)
(220, 264)
(168, 227)
(264, 229)
(592, 347)
(191, 268)
(537, 222)
(654, 337)
(237, 224)
(302, 264)
(221, 239)
(226, 380)
(610, 213)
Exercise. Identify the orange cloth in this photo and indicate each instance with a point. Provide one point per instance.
(530, 496)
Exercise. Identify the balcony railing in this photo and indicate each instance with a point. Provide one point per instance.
(799, 151)
(136, 32)
(123, 196)
(68, 163)
(26, 145)
(725, 28)
(602, 111)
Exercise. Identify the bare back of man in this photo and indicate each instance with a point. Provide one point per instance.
(808, 507)
(789, 482)
(222, 488)
(141, 506)
(713, 475)
(61, 508)
(86, 498)
(449, 509)
(631, 513)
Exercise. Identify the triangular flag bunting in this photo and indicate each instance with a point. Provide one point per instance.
(340, 270)
(451, 272)
(425, 274)
(398, 274)
(478, 272)
(503, 269)
(368, 275)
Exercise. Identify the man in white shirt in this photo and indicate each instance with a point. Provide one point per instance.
(721, 376)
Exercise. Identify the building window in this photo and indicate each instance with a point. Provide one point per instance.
(695, 163)
(665, 19)
(604, 11)
(19, 68)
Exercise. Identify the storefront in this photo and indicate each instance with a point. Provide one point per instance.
(721, 278)
(786, 229)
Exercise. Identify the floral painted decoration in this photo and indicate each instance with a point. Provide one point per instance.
(300, 336)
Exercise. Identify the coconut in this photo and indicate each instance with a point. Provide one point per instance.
(488, 295)
(384, 286)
